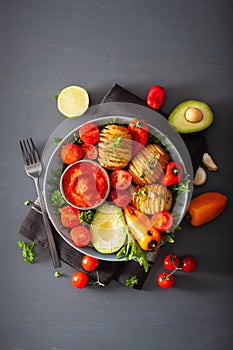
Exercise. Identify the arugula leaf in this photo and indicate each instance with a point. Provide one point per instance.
(54, 180)
(132, 250)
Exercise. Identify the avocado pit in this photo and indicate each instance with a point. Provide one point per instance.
(193, 115)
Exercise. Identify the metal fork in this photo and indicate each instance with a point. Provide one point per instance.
(33, 168)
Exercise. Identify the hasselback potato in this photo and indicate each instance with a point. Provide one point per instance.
(151, 199)
(115, 147)
(148, 165)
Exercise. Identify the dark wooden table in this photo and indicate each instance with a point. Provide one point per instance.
(182, 45)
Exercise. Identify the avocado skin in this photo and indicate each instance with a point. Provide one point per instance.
(178, 121)
(113, 216)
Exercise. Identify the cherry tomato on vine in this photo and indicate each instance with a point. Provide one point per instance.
(89, 151)
(120, 179)
(71, 153)
(89, 133)
(171, 262)
(188, 264)
(79, 279)
(162, 220)
(89, 263)
(165, 280)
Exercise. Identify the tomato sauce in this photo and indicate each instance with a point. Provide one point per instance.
(85, 184)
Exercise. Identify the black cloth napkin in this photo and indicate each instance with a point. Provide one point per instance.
(32, 226)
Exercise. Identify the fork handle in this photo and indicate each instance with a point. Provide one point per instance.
(54, 254)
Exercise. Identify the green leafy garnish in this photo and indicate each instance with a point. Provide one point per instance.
(132, 250)
(170, 236)
(57, 199)
(56, 141)
(87, 216)
(27, 251)
(117, 142)
(182, 187)
(57, 274)
(54, 180)
(142, 191)
(131, 282)
(28, 202)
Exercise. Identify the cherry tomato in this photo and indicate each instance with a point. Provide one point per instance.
(120, 198)
(80, 236)
(120, 179)
(188, 264)
(89, 151)
(162, 220)
(69, 216)
(79, 279)
(89, 133)
(71, 153)
(155, 97)
(89, 263)
(171, 262)
(139, 130)
(165, 280)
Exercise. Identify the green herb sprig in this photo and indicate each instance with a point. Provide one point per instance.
(131, 282)
(87, 216)
(57, 199)
(27, 251)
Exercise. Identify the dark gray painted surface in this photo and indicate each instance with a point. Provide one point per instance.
(185, 46)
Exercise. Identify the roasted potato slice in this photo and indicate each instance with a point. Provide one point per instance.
(151, 199)
(148, 165)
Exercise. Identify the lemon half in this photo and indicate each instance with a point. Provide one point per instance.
(73, 101)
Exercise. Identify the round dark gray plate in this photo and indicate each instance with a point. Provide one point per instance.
(124, 112)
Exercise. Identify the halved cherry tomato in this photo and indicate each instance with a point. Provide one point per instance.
(79, 279)
(120, 198)
(188, 264)
(80, 236)
(139, 130)
(165, 280)
(171, 262)
(69, 216)
(162, 220)
(71, 153)
(89, 151)
(89, 263)
(120, 179)
(89, 133)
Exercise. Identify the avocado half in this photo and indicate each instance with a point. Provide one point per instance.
(108, 229)
(191, 116)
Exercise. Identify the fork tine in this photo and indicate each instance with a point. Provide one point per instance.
(24, 151)
(34, 151)
(29, 151)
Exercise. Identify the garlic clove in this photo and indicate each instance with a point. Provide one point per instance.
(200, 177)
(208, 161)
